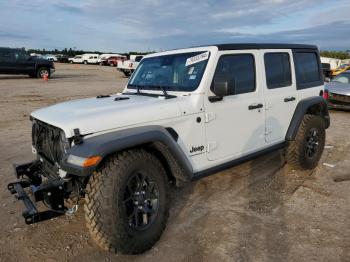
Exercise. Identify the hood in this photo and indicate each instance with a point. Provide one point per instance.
(338, 88)
(100, 114)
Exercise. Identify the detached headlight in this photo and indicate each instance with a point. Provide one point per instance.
(82, 161)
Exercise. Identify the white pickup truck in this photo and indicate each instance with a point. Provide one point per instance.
(129, 66)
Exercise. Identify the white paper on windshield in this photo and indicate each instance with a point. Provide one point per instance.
(198, 58)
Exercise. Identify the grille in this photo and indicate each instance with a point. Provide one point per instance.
(342, 99)
(46, 139)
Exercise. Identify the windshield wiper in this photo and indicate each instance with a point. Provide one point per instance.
(163, 90)
(137, 88)
(165, 93)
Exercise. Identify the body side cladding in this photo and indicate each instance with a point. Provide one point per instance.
(106, 144)
(315, 105)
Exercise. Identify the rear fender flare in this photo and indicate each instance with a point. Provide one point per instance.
(315, 105)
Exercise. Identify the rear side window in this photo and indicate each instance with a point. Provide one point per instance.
(238, 71)
(5, 56)
(307, 69)
(277, 69)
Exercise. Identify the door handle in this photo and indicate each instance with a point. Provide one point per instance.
(289, 99)
(255, 106)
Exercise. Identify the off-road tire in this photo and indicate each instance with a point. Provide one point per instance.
(41, 70)
(127, 73)
(296, 155)
(104, 210)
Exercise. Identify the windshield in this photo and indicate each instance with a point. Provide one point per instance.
(177, 72)
(342, 78)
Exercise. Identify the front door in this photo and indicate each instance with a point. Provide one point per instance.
(235, 126)
(23, 63)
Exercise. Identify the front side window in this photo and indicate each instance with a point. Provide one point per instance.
(277, 70)
(307, 69)
(19, 55)
(177, 72)
(238, 71)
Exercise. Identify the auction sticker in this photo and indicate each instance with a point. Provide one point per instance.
(196, 59)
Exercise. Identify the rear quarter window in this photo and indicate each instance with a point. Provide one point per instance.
(307, 69)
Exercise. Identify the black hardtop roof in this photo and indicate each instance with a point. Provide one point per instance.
(237, 46)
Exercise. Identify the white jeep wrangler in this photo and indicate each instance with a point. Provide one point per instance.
(184, 114)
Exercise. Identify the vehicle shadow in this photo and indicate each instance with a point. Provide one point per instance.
(8, 77)
(239, 214)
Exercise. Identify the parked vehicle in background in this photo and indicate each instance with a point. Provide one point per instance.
(337, 92)
(90, 58)
(114, 60)
(104, 57)
(327, 72)
(62, 58)
(50, 57)
(184, 114)
(342, 68)
(78, 59)
(17, 61)
(129, 66)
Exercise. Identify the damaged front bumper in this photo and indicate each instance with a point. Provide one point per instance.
(51, 192)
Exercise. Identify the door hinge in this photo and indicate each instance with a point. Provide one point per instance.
(268, 130)
(211, 146)
(209, 117)
(268, 105)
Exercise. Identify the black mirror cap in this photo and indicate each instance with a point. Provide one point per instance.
(220, 87)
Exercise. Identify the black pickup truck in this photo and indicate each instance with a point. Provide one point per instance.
(17, 61)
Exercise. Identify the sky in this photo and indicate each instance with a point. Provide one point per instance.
(156, 25)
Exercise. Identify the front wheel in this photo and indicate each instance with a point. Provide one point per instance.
(85, 62)
(126, 205)
(307, 148)
(42, 71)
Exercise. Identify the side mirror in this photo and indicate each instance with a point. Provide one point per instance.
(220, 87)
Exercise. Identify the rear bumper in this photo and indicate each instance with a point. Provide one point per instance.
(29, 188)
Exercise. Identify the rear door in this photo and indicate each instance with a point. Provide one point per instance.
(235, 125)
(279, 92)
(6, 61)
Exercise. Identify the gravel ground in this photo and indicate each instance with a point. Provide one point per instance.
(258, 211)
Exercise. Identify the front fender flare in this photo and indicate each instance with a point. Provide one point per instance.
(108, 143)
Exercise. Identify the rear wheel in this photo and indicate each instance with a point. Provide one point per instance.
(126, 202)
(85, 62)
(307, 148)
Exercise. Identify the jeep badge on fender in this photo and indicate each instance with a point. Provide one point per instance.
(196, 149)
(254, 98)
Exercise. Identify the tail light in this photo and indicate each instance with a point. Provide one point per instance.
(325, 94)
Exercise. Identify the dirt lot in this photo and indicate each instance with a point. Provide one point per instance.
(258, 211)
